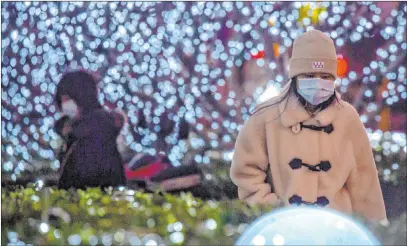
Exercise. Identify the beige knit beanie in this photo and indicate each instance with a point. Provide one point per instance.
(313, 52)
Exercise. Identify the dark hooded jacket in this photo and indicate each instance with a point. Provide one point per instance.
(91, 158)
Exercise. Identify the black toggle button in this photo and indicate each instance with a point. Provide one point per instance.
(322, 166)
(296, 163)
(297, 200)
(327, 129)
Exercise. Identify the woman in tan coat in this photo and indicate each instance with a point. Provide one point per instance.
(307, 146)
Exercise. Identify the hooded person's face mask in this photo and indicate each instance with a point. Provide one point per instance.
(70, 108)
(315, 90)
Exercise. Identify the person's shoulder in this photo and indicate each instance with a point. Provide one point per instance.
(265, 110)
(115, 117)
(119, 117)
(260, 115)
(97, 114)
(348, 111)
(268, 105)
(349, 119)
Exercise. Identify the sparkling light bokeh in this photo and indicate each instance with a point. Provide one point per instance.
(191, 61)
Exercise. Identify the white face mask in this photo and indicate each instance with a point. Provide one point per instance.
(316, 90)
(70, 108)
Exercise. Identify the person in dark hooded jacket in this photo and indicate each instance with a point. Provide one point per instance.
(90, 157)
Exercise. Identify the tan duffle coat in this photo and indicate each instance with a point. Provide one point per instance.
(323, 160)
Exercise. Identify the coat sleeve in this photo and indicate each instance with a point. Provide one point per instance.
(363, 182)
(249, 165)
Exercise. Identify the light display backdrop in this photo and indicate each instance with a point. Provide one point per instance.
(204, 63)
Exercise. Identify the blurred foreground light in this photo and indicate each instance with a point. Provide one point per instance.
(270, 92)
(39, 184)
(44, 228)
(306, 226)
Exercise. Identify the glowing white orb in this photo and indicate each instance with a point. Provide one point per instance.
(306, 226)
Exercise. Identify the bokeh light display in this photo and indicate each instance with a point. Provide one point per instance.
(204, 63)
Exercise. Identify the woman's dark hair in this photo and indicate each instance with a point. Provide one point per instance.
(303, 102)
(81, 86)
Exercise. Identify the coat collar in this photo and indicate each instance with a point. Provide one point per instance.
(292, 113)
